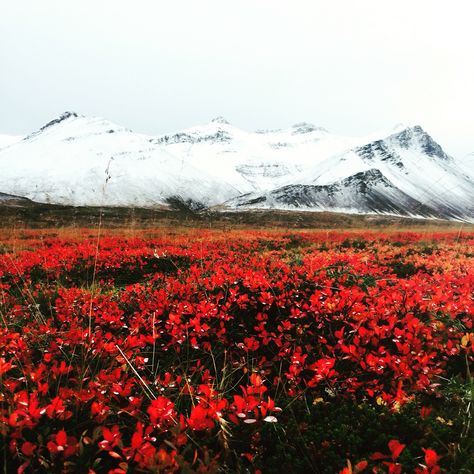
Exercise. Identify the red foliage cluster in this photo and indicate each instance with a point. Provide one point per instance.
(131, 354)
(390, 463)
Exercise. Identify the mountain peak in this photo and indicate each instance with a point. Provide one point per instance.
(64, 116)
(399, 127)
(220, 120)
(371, 176)
(416, 135)
(306, 127)
(68, 114)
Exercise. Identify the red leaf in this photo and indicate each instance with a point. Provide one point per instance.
(395, 448)
(360, 466)
(108, 436)
(377, 456)
(28, 448)
(425, 412)
(23, 467)
(137, 440)
(61, 438)
(431, 457)
(52, 447)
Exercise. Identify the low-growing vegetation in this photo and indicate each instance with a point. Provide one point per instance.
(243, 351)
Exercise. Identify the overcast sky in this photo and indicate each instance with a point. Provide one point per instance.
(158, 66)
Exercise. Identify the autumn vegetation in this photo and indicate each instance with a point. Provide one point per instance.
(236, 351)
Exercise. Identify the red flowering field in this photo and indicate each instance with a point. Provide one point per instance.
(241, 351)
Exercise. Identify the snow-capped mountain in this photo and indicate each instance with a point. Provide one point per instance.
(91, 161)
(81, 160)
(408, 161)
(364, 192)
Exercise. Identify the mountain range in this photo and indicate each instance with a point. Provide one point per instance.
(89, 161)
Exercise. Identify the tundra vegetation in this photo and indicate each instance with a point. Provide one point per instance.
(194, 350)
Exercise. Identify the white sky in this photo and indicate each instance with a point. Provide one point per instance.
(352, 66)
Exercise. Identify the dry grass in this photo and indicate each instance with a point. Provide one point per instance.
(129, 221)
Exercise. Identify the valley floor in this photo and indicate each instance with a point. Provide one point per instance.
(36, 215)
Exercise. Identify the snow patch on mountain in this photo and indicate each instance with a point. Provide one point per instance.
(8, 140)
